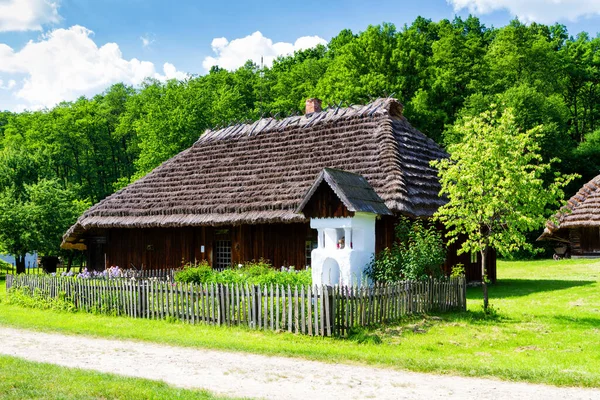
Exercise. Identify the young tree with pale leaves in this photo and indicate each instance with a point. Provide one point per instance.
(496, 185)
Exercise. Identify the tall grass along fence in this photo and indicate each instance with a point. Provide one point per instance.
(323, 310)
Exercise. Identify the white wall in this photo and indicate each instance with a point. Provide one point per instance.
(359, 234)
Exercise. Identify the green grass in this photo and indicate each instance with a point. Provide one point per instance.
(21, 379)
(547, 331)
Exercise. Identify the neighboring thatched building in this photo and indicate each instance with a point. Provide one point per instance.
(576, 227)
(234, 194)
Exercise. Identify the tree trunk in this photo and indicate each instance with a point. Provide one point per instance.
(70, 260)
(20, 263)
(484, 254)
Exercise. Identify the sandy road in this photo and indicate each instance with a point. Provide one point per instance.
(250, 375)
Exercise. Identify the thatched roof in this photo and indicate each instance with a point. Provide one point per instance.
(352, 189)
(581, 211)
(259, 173)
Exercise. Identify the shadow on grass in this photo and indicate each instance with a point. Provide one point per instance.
(412, 325)
(507, 288)
(581, 321)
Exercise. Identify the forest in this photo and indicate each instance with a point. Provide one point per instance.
(56, 162)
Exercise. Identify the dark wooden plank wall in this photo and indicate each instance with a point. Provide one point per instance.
(157, 248)
(575, 241)
(325, 204)
(589, 241)
(280, 244)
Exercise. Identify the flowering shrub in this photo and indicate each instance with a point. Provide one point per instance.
(254, 272)
(110, 273)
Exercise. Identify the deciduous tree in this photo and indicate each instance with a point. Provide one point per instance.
(494, 184)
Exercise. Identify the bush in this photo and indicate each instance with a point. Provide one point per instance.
(22, 296)
(254, 272)
(418, 253)
(200, 273)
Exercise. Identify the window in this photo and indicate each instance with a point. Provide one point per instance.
(222, 254)
(474, 257)
(309, 247)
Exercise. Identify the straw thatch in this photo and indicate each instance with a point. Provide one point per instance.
(352, 189)
(259, 173)
(581, 211)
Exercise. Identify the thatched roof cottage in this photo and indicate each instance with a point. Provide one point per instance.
(577, 225)
(234, 195)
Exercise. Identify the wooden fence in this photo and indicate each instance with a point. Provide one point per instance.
(167, 274)
(164, 274)
(307, 310)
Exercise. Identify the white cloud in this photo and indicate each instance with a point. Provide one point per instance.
(27, 15)
(171, 73)
(233, 54)
(543, 11)
(9, 85)
(66, 63)
(146, 41)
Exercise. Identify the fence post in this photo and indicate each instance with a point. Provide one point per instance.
(142, 297)
(463, 282)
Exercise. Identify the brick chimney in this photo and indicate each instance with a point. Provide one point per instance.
(313, 105)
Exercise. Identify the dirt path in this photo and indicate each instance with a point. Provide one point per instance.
(249, 375)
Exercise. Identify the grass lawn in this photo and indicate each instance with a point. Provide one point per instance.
(547, 331)
(21, 379)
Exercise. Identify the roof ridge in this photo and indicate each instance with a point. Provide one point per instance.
(381, 106)
(575, 202)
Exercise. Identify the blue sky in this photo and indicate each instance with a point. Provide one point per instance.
(79, 47)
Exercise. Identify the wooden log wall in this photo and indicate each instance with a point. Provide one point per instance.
(154, 248)
(589, 240)
(326, 204)
(318, 311)
(280, 244)
(157, 248)
(575, 240)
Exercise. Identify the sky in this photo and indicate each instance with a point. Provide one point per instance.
(58, 50)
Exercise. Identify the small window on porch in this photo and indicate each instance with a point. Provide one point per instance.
(222, 254)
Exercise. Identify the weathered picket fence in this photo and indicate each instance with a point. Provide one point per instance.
(164, 274)
(323, 310)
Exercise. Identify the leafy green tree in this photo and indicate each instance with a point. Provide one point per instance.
(587, 156)
(455, 71)
(522, 54)
(16, 236)
(362, 68)
(580, 80)
(36, 221)
(531, 109)
(294, 79)
(494, 184)
(52, 210)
